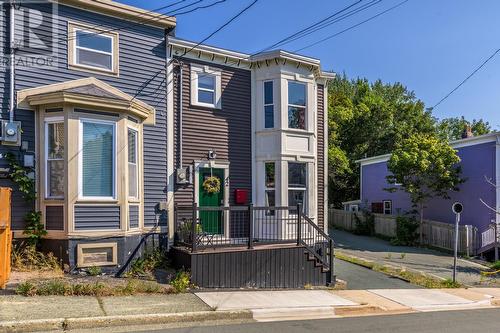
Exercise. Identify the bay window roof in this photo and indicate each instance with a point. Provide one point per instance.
(89, 92)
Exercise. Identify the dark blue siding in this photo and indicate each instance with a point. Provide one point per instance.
(141, 74)
(97, 217)
(133, 216)
(54, 217)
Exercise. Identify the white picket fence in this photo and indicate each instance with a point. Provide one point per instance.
(435, 234)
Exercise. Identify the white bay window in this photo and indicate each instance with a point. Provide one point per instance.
(54, 152)
(297, 184)
(133, 178)
(97, 165)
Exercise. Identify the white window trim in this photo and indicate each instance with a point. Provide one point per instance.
(80, 161)
(129, 128)
(296, 188)
(72, 29)
(267, 188)
(51, 120)
(195, 71)
(297, 106)
(268, 104)
(76, 47)
(383, 207)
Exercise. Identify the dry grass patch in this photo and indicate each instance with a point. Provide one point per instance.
(416, 278)
(65, 287)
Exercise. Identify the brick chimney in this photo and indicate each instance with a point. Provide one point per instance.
(467, 133)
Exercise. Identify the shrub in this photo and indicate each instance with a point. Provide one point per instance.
(26, 289)
(94, 271)
(34, 230)
(181, 282)
(60, 287)
(145, 265)
(26, 257)
(365, 225)
(55, 287)
(406, 231)
(495, 266)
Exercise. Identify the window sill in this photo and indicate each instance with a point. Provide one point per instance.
(206, 105)
(83, 68)
(96, 200)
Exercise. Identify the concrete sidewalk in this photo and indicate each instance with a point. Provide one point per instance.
(20, 313)
(315, 304)
(419, 259)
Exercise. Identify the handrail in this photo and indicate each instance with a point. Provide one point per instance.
(315, 226)
(318, 247)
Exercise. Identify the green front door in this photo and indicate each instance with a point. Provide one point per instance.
(211, 221)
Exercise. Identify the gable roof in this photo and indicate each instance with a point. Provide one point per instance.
(89, 92)
(472, 141)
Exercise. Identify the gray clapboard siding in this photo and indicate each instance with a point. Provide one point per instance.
(228, 130)
(141, 65)
(97, 217)
(133, 216)
(54, 217)
(321, 155)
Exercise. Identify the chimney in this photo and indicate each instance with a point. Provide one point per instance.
(467, 133)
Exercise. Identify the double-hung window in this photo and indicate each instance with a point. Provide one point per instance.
(54, 150)
(97, 165)
(387, 207)
(133, 183)
(93, 50)
(297, 183)
(206, 86)
(270, 186)
(268, 104)
(296, 105)
(206, 89)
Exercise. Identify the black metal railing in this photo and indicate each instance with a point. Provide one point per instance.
(200, 228)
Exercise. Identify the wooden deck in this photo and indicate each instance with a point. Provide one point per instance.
(264, 266)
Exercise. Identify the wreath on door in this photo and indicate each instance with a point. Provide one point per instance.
(211, 185)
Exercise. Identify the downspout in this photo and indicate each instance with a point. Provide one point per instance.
(12, 59)
(180, 110)
(181, 91)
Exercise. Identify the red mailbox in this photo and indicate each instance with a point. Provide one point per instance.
(240, 196)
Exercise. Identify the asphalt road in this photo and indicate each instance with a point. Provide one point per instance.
(484, 321)
(359, 277)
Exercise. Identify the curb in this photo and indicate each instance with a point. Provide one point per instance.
(107, 321)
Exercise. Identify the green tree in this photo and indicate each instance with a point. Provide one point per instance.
(426, 167)
(367, 119)
(452, 128)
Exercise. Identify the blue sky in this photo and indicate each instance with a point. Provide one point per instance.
(428, 45)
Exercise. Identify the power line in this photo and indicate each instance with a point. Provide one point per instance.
(309, 27)
(466, 79)
(353, 26)
(201, 7)
(147, 20)
(336, 20)
(152, 11)
(222, 26)
(206, 38)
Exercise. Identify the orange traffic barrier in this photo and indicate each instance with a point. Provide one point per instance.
(5, 235)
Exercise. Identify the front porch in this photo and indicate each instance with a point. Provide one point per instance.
(252, 247)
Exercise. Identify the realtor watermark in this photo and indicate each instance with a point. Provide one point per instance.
(36, 41)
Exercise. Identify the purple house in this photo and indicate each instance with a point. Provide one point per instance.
(480, 160)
